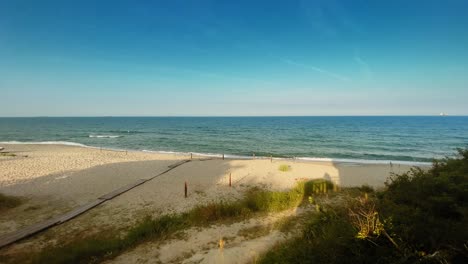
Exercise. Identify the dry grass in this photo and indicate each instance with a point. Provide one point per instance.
(109, 244)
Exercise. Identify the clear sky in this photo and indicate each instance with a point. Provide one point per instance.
(159, 58)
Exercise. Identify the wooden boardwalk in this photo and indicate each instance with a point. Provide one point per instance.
(17, 235)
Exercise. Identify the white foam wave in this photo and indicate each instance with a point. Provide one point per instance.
(67, 143)
(104, 136)
(230, 156)
(363, 161)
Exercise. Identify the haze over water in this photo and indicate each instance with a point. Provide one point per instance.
(396, 138)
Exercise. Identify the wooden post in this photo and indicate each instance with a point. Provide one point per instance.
(230, 180)
(223, 156)
(271, 158)
(191, 155)
(185, 189)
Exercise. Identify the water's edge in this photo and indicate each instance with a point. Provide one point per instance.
(226, 155)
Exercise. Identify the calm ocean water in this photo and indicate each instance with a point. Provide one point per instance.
(358, 138)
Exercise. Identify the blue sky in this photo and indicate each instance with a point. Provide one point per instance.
(158, 58)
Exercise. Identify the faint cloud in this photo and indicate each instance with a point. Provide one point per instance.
(328, 17)
(364, 67)
(317, 69)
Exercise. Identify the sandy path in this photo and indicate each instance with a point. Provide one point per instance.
(243, 242)
(57, 194)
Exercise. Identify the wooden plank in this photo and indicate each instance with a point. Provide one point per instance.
(26, 232)
(205, 159)
(175, 165)
(78, 211)
(36, 228)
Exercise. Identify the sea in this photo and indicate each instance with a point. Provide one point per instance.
(366, 139)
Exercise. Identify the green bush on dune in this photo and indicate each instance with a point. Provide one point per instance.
(284, 168)
(421, 217)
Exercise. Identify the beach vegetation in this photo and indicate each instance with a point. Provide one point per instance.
(7, 154)
(420, 217)
(109, 244)
(284, 168)
(254, 231)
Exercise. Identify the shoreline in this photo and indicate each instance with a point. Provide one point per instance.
(226, 156)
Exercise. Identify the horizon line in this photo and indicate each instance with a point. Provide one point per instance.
(207, 116)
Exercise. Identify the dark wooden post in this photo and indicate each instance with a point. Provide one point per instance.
(223, 156)
(230, 180)
(185, 189)
(191, 155)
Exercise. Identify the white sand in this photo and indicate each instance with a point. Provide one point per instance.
(44, 160)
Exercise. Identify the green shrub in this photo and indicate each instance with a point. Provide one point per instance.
(421, 217)
(328, 237)
(284, 168)
(429, 209)
(272, 201)
(216, 212)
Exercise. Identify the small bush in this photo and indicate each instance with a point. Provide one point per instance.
(217, 212)
(284, 168)
(264, 201)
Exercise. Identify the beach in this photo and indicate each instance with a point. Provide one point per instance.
(54, 179)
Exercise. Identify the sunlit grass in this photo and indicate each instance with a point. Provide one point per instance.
(284, 168)
(7, 154)
(110, 244)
